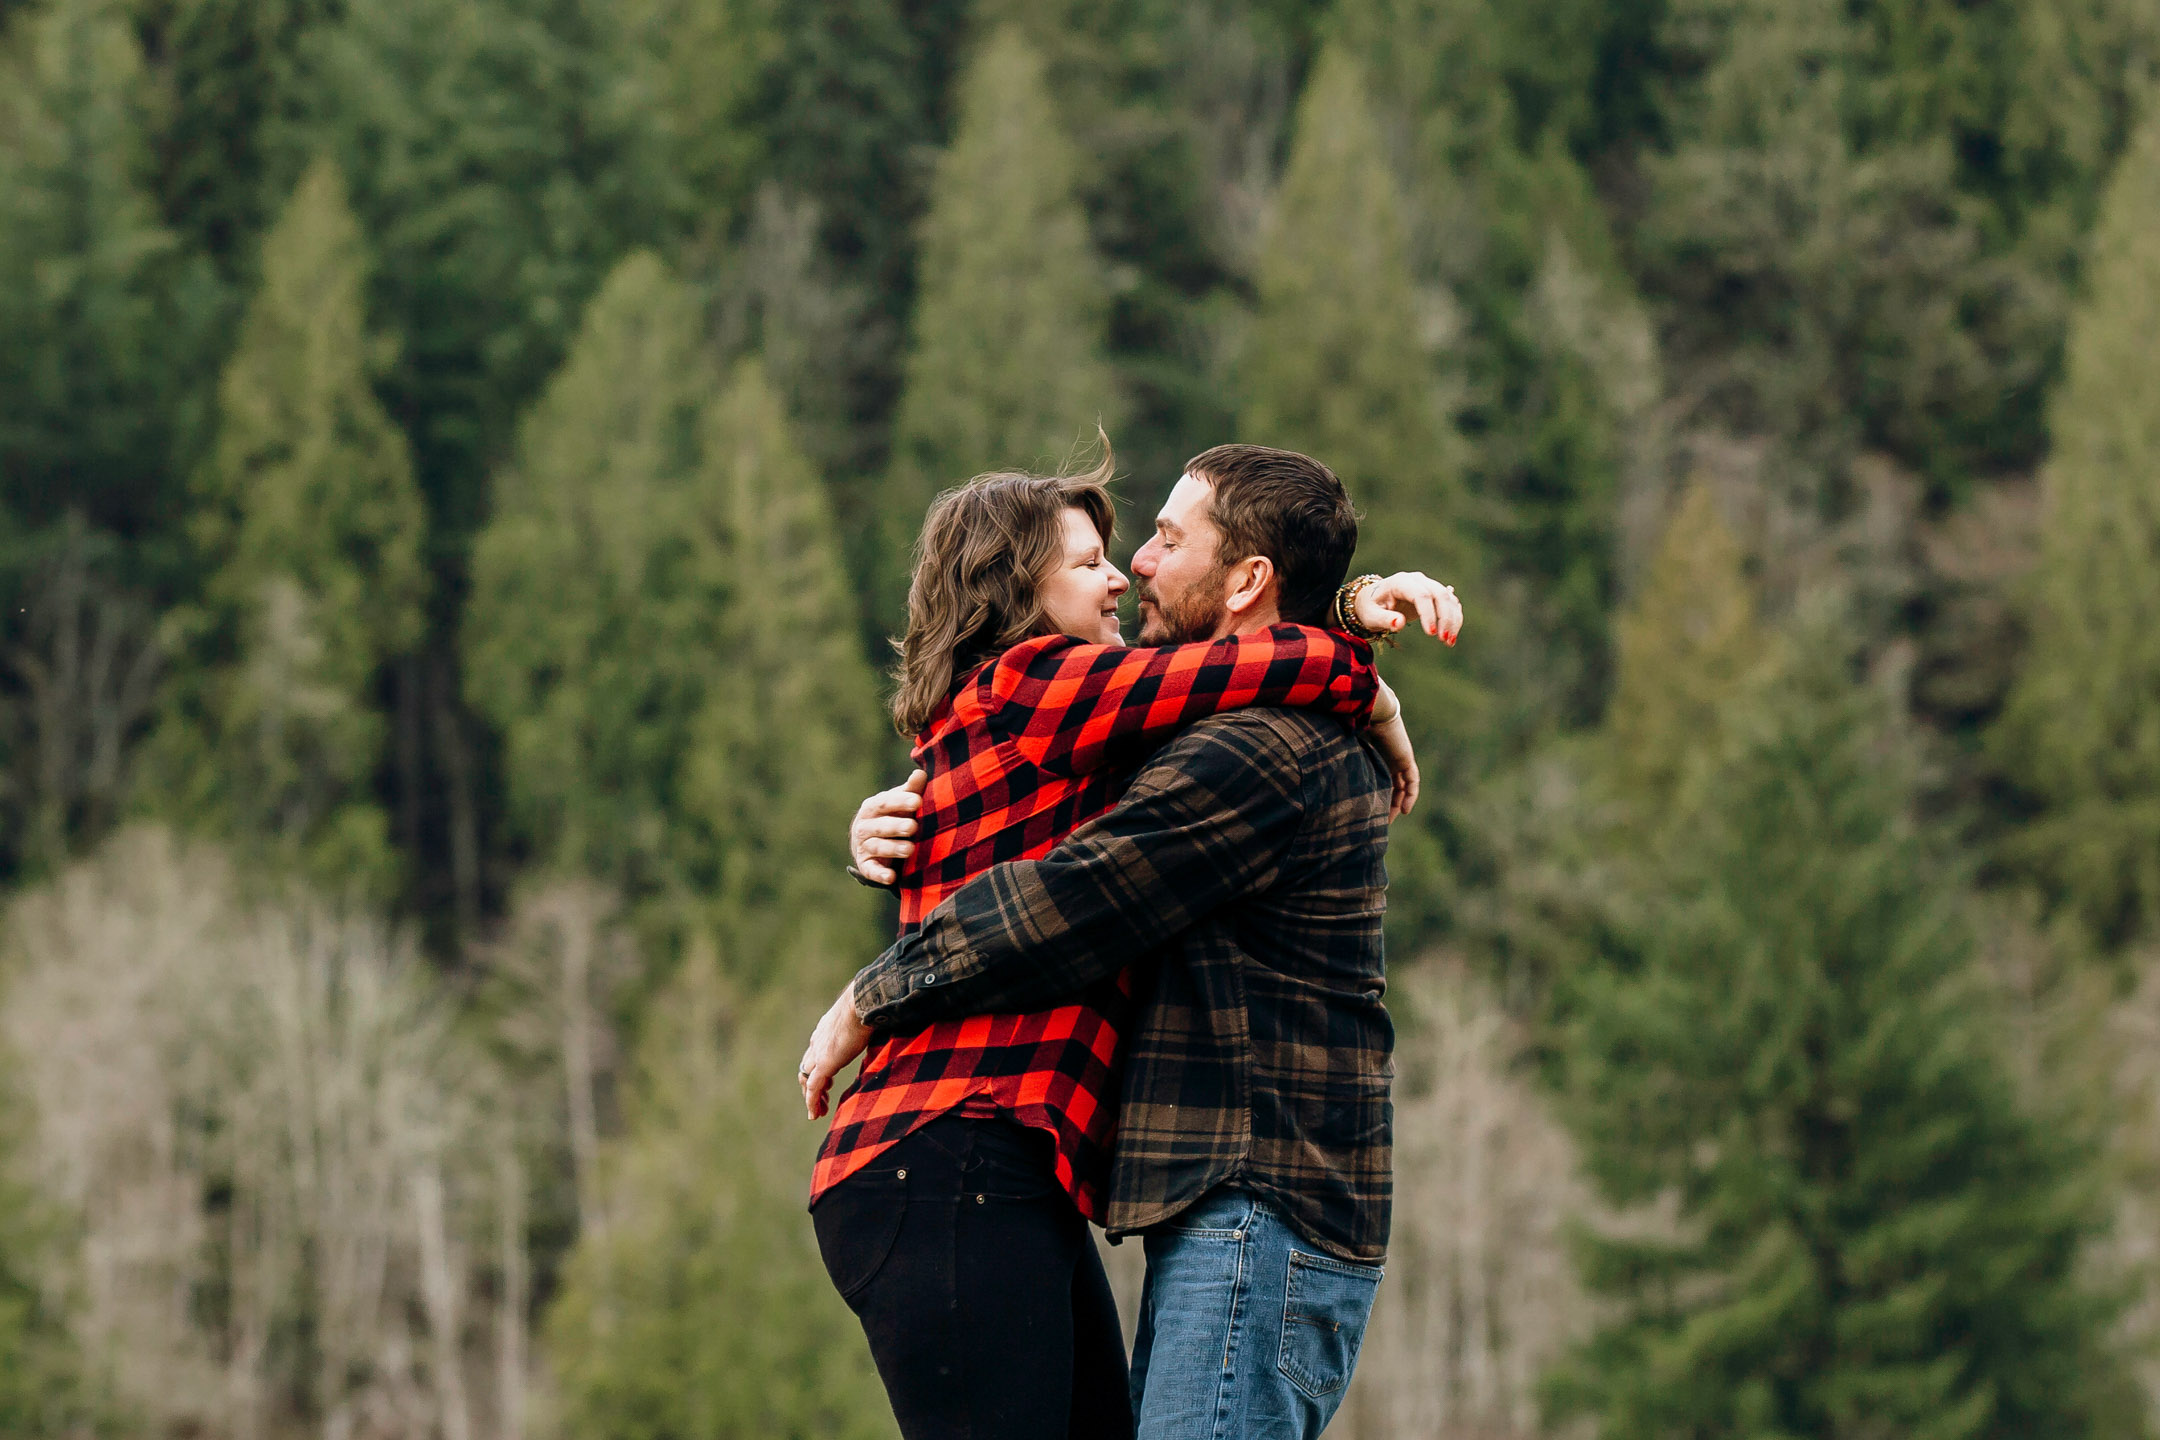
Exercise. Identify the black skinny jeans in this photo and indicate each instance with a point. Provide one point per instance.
(974, 1277)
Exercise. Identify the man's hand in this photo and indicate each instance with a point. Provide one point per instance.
(840, 1037)
(883, 829)
(1411, 595)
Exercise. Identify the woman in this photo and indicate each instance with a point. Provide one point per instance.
(953, 1190)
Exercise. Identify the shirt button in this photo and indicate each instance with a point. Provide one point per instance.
(979, 1199)
(930, 979)
(900, 1174)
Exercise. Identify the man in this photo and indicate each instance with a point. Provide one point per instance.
(1244, 867)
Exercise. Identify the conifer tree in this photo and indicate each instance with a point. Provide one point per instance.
(1333, 366)
(231, 70)
(1827, 285)
(780, 752)
(661, 630)
(2082, 727)
(1785, 1039)
(312, 528)
(703, 1309)
(1549, 348)
(592, 635)
(1006, 367)
(504, 160)
(1685, 648)
(87, 274)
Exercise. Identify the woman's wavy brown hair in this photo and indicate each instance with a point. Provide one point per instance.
(985, 550)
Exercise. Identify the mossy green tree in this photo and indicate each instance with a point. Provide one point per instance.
(1828, 286)
(1333, 365)
(1785, 1039)
(2082, 727)
(90, 276)
(312, 532)
(228, 73)
(1006, 366)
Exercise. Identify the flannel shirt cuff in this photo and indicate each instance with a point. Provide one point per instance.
(884, 986)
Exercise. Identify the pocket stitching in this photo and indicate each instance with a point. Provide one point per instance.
(898, 1191)
(1285, 1360)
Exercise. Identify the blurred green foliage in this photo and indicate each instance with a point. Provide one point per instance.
(1850, 1218)
(450, 448)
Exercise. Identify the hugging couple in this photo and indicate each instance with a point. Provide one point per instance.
(1139, 973)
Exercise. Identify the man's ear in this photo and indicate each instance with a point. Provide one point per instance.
(1248, 583)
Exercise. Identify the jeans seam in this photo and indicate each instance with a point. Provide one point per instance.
(1226, 1387)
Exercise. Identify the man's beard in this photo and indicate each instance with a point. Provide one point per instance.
(1194, 616)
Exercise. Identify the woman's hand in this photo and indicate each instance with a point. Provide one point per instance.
(840, 1037)
(1411, 595)
(1391, 738)
(883, 829)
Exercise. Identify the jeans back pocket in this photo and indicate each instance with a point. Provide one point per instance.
(1326, 1303)
(857, 1222)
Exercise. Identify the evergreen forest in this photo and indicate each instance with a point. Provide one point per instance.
(458, 464)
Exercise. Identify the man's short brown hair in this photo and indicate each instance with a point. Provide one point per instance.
(1289, 508)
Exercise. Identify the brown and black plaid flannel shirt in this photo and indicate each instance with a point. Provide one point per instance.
(1245, 864)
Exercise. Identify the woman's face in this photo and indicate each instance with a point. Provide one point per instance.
(1080, 595)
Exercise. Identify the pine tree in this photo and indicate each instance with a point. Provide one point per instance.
(703, 1309)
(780, 753)
(1333, 366)
(312, 530)
(230, 71)
(88, 275)
(1490, 108)
(1685, 649)
(1828, 285)
(661, 629)
(2082, 726)
(1785, 1040)
(592, 636)
(1006, 367)
(504, 159)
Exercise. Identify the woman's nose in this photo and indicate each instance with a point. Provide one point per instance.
(1118, 583)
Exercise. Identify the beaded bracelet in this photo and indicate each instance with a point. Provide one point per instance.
(1346, 611)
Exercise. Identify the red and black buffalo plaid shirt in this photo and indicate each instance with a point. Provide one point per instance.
(1028, 748)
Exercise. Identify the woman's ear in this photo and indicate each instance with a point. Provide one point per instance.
(1247, 583)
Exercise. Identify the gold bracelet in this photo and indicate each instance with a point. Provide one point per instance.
(1346, 610)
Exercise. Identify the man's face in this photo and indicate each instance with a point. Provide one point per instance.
(1178, 575)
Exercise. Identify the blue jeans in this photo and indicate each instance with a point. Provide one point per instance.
(1246, 1332)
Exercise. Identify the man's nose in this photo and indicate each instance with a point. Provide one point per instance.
(1143, 560)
